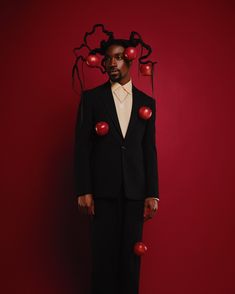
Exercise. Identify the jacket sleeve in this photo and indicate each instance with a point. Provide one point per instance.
(150, 156)
(83, 147)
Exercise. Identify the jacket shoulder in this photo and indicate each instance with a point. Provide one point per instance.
(90, 95)
(145, 96)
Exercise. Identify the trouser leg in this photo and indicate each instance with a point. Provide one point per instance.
(105, 247)
(132, 230)
(116, 227)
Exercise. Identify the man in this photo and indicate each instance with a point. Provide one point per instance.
(116, 174)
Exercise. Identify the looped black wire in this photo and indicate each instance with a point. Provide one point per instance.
(75, 70)
(108, 33)
(79, 48)
(134, 40)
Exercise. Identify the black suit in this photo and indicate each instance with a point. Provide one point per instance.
(103, 163)
(120, 173)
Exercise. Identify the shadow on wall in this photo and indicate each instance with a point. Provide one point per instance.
(69, 232)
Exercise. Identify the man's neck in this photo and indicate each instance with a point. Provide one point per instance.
(121, 82)
(125, 81)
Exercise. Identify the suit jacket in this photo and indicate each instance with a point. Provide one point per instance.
(104, 163)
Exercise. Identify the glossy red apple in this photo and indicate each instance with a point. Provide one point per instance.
(140, 248)
(92, 60)
(145, 112)
(146, 69)
(130, 53)
(101, 128)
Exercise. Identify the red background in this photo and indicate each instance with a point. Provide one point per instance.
(45, 243)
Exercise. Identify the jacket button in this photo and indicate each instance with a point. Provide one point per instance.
(123, 147)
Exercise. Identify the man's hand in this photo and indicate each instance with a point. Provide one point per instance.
(150, 208)
(86, 201)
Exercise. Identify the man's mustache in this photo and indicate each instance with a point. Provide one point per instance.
(113, 70)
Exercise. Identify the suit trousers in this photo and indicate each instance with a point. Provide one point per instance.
(115, 228)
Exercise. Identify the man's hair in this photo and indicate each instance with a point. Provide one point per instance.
(104, 45)
(121, 42)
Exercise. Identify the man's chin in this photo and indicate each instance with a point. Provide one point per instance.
(114, 78)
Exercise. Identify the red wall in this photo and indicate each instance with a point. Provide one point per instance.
(45, 243)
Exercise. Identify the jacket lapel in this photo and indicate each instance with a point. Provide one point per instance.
(111, 109)
(134, 111)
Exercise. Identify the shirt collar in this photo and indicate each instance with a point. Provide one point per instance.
(127, 86)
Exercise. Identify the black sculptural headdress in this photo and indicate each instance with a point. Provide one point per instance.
(145, 66)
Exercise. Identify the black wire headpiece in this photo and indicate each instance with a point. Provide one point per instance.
(146, 66)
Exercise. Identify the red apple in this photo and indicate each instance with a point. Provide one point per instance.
(140, 248)
(146, 69)
(92, 60)
(130, 53)
(145, 112)
(102, 128)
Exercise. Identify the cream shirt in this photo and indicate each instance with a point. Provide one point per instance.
(123, 99)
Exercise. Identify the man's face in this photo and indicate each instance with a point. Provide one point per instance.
(116, 66)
